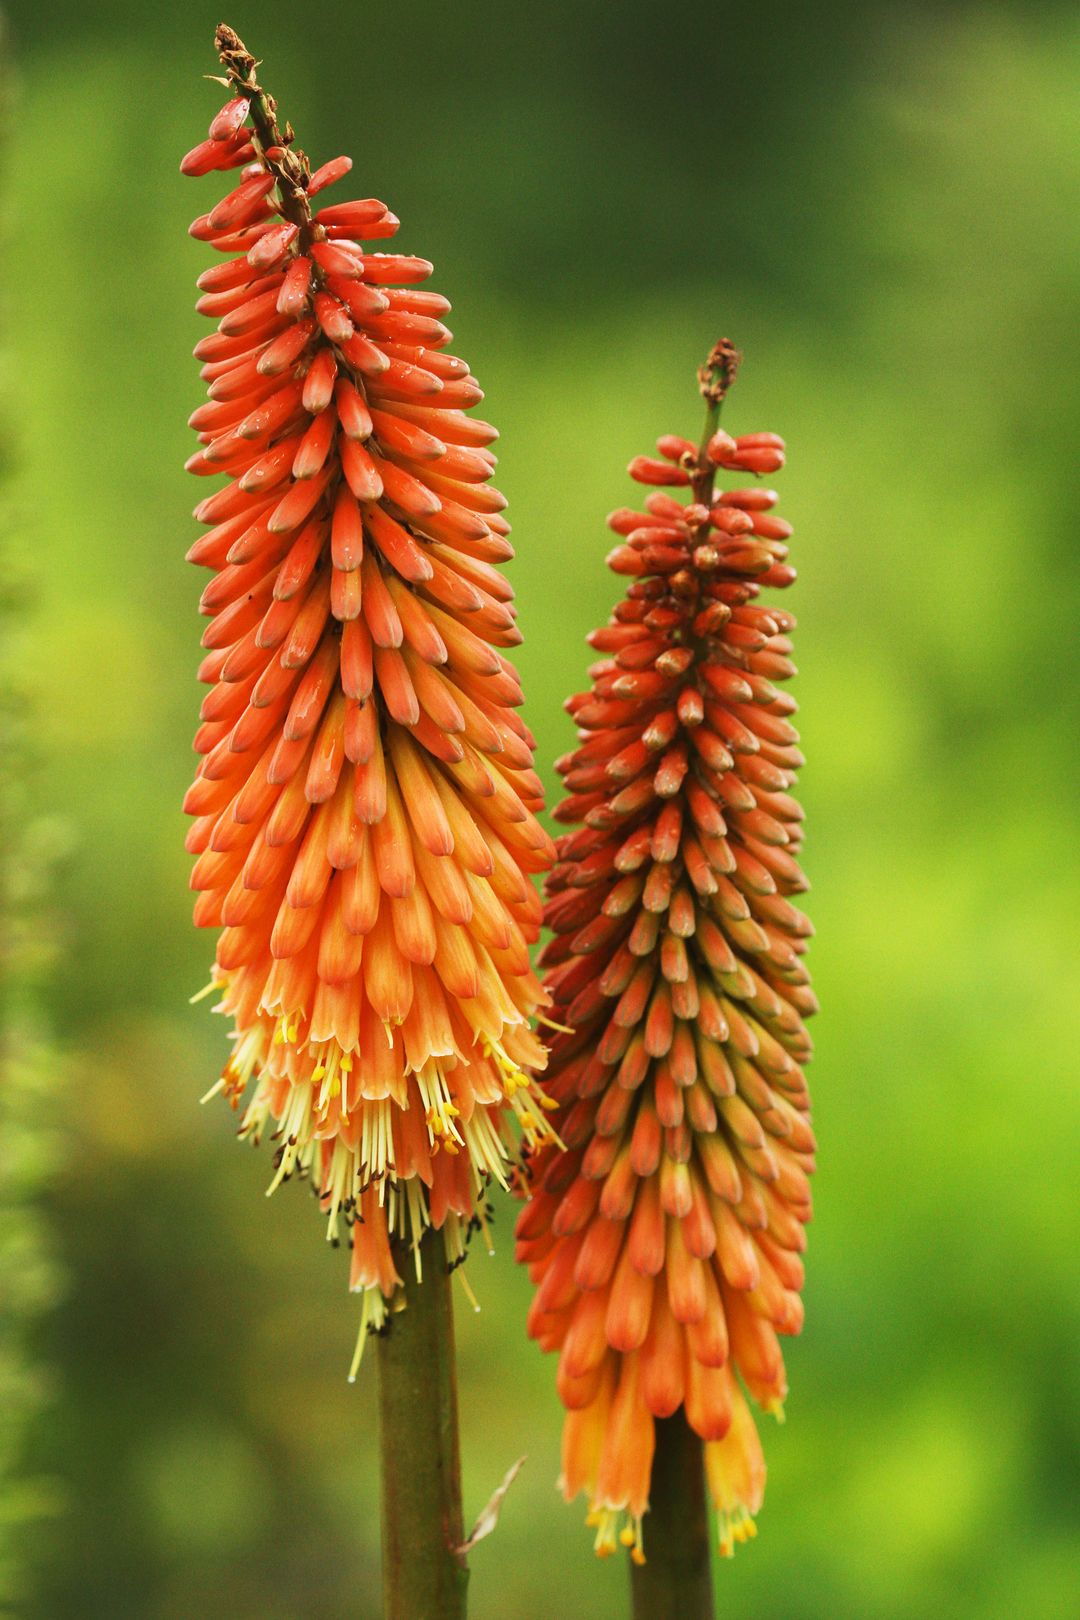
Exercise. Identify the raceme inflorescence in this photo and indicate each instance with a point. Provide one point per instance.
(665, 1242)
(365, 805)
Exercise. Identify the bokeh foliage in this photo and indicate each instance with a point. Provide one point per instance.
(31, 1071)
(878, 204)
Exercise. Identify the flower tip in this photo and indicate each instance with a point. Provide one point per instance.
(194, 163)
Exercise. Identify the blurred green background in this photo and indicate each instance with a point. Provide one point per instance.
(879, 204)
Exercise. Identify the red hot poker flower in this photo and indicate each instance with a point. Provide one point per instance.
(365, 806)
(665, 1243)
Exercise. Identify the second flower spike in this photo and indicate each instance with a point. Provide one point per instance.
(665, 1244)
(365, 807)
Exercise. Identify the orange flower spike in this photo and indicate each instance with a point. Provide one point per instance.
(665, 1245)
(365, 794)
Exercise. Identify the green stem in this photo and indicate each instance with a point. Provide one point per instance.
(675, 1581)
(425, 1577)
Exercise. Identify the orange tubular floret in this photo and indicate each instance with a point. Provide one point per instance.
(365, 797)
(665, 1244)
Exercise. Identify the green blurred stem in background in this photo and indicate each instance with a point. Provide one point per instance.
(675, 1581)
(425, 1576)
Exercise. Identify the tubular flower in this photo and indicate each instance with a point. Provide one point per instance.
(365, 803)
(665, 1242)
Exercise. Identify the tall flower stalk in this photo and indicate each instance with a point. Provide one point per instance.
(665, 1243)
(365, 807)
